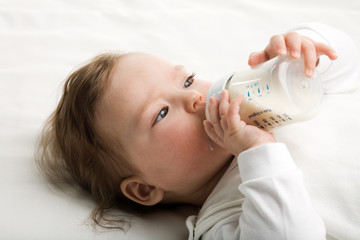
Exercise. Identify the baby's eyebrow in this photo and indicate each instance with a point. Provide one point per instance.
(178, 67)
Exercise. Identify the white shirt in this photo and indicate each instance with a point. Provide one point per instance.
(262, 194)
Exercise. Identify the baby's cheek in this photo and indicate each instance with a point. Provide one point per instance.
(189, 141)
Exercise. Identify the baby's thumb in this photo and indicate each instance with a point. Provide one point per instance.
(256, 58)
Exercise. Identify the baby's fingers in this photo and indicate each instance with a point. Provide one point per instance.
(233, 114)
(276, 47)
(215, 117)
(210, 131)
(256, 58)
(310, 58)
(312, 50)
(323, 49)
(293, 42)
(223, 109)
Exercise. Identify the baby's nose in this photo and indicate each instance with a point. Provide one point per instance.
(194, 101)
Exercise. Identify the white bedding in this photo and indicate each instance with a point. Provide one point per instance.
(41, 41)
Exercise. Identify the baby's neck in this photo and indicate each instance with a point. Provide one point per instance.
(212, 183)
(200, 196)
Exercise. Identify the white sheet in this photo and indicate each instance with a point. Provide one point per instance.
(41, 41)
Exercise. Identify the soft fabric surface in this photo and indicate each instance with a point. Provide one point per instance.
(42, 41)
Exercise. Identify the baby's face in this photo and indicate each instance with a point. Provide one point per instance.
(156, 110)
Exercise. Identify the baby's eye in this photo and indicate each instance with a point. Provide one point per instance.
(189, 80)
(162, 114)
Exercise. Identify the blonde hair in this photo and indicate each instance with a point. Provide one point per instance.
(72, 149)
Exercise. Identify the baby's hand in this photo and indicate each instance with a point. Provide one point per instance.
(227, 130)
(296, 45)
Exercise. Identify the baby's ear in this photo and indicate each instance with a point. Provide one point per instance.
(139, 191)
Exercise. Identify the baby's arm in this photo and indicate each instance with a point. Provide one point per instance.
(276, 203)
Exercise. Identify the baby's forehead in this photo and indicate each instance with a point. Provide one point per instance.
(142, 60)
(131, 76)
(143, 65)
(137, 74)
(143, 69)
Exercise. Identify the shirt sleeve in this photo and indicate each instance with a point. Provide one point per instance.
(343, 74)
(276, 205)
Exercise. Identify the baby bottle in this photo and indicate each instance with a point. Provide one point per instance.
(275, 93)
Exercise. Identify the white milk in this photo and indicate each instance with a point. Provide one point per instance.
(275, 93)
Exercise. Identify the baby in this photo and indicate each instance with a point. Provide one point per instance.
(131, 130)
